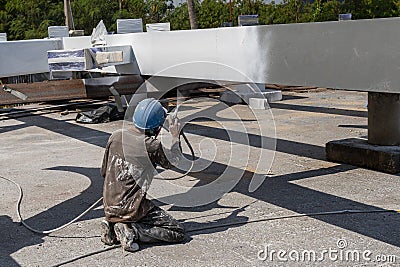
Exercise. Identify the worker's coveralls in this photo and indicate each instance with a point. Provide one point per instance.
(128, 168)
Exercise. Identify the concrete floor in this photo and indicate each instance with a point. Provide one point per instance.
(56, 161)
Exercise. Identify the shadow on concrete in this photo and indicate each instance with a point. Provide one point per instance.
(279, 191)
(218, 225)
(25, 113)
(69, 209)
(13, 238)
(282, 145)
(73, 130)
(324, 110)
(16, 237)
(353, 126)
(5, 129)
(204, 114)
(276, 190)
(204, 119)
(292, 97)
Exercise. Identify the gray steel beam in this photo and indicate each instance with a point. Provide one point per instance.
(361, 55)
(355, 55)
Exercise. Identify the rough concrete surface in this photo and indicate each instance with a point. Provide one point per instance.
(56, 161)
(360, 153)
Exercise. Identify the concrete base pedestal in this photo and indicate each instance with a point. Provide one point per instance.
(382, 151)
(360, 153)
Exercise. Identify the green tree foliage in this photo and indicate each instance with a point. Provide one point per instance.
(31, 18)
(156, 10)
(212, 13)
(87, 13)
(366, 9)
(326, 10)
(179, 16)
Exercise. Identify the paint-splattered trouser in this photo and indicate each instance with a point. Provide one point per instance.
(158, 226)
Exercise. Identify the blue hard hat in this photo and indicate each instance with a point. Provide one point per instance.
(149, 114)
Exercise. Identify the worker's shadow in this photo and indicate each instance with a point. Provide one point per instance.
(230, 219)
(376, 223)
(219, 225)
(15, 237)
(71, 208)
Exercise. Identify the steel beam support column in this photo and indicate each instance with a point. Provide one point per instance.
(384, 119)
(382, 150)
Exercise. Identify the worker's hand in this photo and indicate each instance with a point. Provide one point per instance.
(174, 127)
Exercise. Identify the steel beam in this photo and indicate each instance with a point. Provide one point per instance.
(26, 57)
(360, 55)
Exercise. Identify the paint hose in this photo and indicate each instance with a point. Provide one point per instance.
(21, 194)
(338, 212)
(315, 214)
(45, 231)
(193, 158)
(181, 134)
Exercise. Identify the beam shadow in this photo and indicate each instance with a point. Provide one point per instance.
(69, 209)
(292, 97)
(279, 191)
(276, 190)
(282, 145)
(72, 130)
(10, 128)
(353, 126)
(324, 110)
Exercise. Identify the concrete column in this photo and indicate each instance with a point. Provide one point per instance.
(384, 119)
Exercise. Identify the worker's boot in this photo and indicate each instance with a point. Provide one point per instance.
(127, 236)
(108, 236)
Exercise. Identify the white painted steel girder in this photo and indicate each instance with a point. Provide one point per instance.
(26, 57)
(355, 55)
(359, 55)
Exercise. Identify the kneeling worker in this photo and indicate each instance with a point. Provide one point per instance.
(128, 167)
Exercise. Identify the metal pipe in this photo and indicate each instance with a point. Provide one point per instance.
(67, 12)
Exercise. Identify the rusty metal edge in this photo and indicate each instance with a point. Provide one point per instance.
(71, 89)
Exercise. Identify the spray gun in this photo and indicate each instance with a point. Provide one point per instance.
(174, 115)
